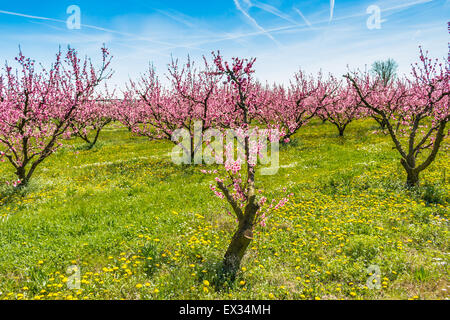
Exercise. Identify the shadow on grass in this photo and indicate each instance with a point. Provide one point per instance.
(152, 254)
(9, 193)
(294, 143)
(217, 276)
(88, 147)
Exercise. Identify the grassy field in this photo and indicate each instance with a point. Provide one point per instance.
(139, 227)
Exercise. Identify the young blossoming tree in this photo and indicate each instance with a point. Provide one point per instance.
(197, 92)
(419, 109)
(191, 100)
(149, 108)
(238, 185)
(342, 109)
(129, 111)
(289, 109)
(37, 106)
(93, 116)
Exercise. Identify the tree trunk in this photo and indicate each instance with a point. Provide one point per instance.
(241, 240)
(97, 134)
(381, 122)
(192, 155)
(412, 179)
(237, 248)
(93, 142)
(286, 137)
(22, 176)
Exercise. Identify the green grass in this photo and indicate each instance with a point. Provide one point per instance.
(140, 227)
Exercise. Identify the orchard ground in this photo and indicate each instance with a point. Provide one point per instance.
(140, 227)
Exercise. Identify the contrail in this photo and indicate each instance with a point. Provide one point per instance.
(29, 16)
(409, 4)
(304, 18)
(216, 39)
(272, 10)
(294, 27)
(253, 21)
(92, 27)
(331, 9)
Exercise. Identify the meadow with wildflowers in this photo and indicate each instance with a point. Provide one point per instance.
(138, 226)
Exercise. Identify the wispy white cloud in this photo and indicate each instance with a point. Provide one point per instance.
(300, 27)
(291, 28)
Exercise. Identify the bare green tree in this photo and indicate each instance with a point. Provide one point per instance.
(385, 70)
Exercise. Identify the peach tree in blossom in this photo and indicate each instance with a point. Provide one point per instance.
(93, 116)
(158, 111)
(342, 108)
(238, 184)
(415, 110)
(289, 109)
(37, 106)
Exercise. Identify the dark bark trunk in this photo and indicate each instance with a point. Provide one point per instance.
(412, 179)
(286, 137)
(381, 122)
(93, 142)
(240, 241)
(235, 253)
(22, 176)
(96, 137)
(192, 155)
(341, 128)
(236, 250)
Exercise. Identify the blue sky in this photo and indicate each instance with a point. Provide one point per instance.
(282, 35)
